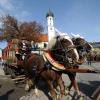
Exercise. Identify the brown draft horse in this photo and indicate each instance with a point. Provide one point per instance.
(64, 52)
(83, 48)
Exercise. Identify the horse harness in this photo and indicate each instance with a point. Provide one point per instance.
(82, 51)
(56, 65)
(65, 51)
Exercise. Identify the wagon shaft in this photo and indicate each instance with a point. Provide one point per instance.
(96, 93)
(82, 70)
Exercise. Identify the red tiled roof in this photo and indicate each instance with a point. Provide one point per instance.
(41, 37)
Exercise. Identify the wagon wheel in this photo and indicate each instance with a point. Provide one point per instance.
(12, 73)
(9, 71)
(6, 70)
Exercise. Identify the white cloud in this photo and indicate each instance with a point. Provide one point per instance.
(13, 7)
(6, 4)
(23, 14)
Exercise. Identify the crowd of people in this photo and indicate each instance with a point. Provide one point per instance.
(91, 57)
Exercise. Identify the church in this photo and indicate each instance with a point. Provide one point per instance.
(9, 51)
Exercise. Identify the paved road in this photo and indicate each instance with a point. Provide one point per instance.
(1, 70)
(87, 83)
(10, 91)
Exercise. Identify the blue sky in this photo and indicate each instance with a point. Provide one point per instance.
(70, 16)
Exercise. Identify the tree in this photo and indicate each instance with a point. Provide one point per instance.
(12, 28)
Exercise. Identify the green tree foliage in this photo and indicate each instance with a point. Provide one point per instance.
(12, 28)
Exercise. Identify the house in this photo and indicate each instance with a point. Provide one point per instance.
(41, 40)
(9, 51)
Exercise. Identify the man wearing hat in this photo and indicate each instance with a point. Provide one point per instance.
(24, 48)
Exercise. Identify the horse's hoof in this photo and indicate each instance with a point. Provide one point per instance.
(38, 95)
(36, 91)
(27, 87)
(54, 98)
(80, 97)
(57, 88)
(59, 97)
(66, 92)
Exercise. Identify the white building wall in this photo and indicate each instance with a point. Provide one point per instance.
(0, 52)
(51, 30)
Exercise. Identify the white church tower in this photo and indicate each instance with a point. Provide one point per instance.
(51, 30)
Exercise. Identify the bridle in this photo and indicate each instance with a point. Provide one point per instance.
(63, 48)
(65, 51)
(81, 48)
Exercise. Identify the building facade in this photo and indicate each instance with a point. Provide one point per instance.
(9, 51)
(41, 39)
(50, 25)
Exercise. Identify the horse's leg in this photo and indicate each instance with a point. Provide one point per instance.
(51, 88)
(71, 77)
(29, 84)
(62, 86)
(27, 88)
(36, 91)
(75, 85)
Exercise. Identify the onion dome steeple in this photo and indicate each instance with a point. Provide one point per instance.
(50, 13)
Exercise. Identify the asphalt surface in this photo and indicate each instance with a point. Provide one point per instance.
(10, 91)
(87, 84)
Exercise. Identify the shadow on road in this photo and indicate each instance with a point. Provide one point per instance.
(6, 95)
(88, 89)
(44, 87)
(0, 85)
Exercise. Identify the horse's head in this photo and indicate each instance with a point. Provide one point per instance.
(64, 50)
(83, 48)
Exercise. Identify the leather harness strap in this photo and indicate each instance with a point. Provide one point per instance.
(56, 65)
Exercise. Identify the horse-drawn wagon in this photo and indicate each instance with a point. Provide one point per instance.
(64, 57)
(14, 69)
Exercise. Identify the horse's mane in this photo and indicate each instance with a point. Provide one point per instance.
(53, 41)
(59, 46)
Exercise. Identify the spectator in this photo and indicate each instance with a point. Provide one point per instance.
(89, 58)
(24, 48)
(4, 62)
(0, 61)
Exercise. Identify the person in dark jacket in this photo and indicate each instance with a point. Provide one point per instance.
(24, 48)
(89, 58)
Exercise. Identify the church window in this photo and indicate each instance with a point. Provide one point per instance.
(50, 28)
